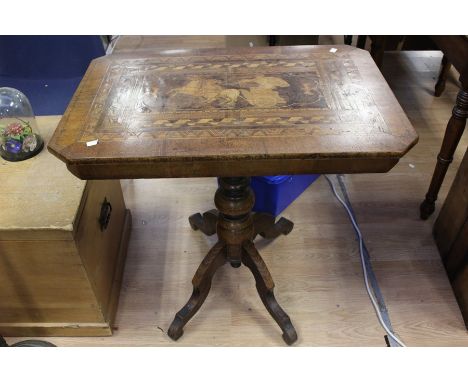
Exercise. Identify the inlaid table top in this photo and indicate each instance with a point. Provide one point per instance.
(237, 112)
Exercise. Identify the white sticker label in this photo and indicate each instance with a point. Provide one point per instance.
(333, 50)
(92, 143)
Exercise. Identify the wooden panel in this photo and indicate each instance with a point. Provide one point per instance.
(459, 253)
(113, 302)
(205, 109)
(53, 296)
(239, 167)
(453, 217)
(451, 235)
(457, 258)
(46, 290)
(460, 281)
(44, 282)
(73, 329)
(98, 249)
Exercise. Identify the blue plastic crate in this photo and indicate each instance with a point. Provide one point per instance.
(274, 193)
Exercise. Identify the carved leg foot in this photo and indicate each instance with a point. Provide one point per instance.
(201, 287)
(265, 226)
(265, 286)
(205, 223)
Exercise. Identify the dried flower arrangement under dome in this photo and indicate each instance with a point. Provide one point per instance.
(19, 139)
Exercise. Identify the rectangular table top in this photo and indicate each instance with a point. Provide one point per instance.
(233, 112)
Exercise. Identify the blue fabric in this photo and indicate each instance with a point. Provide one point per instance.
(47, 69)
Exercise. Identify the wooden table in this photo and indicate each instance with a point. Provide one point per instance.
(233, 114)
(455, 50)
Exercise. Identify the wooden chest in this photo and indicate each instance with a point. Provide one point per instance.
(451, 236)
(63, 243)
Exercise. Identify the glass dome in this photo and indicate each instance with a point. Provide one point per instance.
(19, 137)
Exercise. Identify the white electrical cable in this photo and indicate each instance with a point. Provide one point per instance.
(364, 270)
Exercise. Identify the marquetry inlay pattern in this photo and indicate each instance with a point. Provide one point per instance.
(228, 112)
(256, 98)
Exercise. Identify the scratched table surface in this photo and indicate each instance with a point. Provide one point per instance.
(233, 112)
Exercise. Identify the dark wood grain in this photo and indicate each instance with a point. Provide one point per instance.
(381, 43)
(311, 267)
(264, 224)
(236, 230)
(451, 236)
(455, 49)
(453, 133)
(452, 217)
(235, 112)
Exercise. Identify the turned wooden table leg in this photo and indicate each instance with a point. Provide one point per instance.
(444, 71)
(453, 133)
(234, 200)
(265, 285)
(201, 287)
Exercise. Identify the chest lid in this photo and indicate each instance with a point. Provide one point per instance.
(39, 198)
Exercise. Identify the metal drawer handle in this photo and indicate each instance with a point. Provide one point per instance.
(104, 217)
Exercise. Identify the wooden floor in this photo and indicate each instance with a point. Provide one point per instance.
(316, 268)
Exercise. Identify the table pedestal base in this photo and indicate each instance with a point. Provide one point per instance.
(264, 224)
(236, 228)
